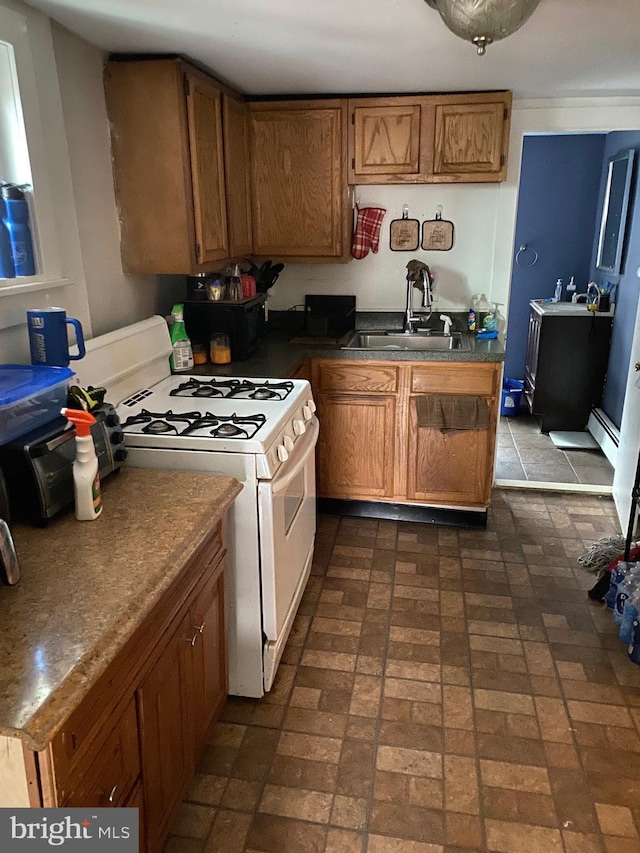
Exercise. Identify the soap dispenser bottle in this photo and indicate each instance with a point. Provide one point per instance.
(558, 294)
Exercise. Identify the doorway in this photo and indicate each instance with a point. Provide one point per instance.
(558, 211)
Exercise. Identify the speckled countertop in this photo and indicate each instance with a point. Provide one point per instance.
(87, 586)
(278, 357)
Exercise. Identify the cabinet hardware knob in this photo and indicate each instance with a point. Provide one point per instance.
(200, 628)
(112, 795)
(193, 640)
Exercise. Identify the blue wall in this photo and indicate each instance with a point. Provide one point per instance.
(557, 210)
(628, 285)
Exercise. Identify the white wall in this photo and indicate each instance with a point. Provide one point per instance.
(115, 299)
(378, 281)
(73, 150)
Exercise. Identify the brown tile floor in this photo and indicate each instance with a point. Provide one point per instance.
(443, 691)
(524, 453)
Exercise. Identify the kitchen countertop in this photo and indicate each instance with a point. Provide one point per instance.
(568, 309)
(277, 357)
(87, 586)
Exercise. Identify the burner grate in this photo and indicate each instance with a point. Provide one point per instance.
(194, 424)
(243, 389)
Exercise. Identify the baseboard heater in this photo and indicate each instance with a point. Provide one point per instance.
(469, 518)
(606, 433)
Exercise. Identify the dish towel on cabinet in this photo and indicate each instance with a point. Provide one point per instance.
(448, 412)
(366, 234)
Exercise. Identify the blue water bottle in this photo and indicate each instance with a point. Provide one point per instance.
(16, 221)
(7, 269)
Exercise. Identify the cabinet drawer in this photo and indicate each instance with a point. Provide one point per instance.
(456, 379)
(367, 378)
(106, 778)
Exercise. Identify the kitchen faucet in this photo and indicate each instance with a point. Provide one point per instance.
(418, 275)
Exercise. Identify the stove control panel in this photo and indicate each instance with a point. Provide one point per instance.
(284, 444)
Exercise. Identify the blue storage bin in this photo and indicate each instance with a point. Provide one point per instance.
(30, 395)
(511, 395)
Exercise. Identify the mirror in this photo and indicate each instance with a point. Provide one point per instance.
(614, 213)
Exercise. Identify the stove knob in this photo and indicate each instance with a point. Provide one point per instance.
(288, 443)
(311, 405)
(307, 414)
(299, 426)
(117, 437)
(112, 420)
(121, 454)
(282, 453)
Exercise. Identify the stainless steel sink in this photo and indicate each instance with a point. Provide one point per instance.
(417, 341)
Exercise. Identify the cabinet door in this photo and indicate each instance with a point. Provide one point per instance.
(108, 779)
(356, 446)
(454, 467)
(298, 185)
(209, 656)
(207, 169)
(385, 140)
(236, 159)
(470, 140)
(164, 706)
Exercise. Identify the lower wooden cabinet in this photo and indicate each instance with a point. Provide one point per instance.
(371, 448)
(356, 445)
(164, 708)
(135, 738)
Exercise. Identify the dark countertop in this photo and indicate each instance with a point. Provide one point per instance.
(277, 357)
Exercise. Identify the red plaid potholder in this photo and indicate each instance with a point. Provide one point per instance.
(366, 234)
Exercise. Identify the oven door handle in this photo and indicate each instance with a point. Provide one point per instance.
(298, 458)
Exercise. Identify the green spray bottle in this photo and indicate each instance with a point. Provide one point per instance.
(181, 358)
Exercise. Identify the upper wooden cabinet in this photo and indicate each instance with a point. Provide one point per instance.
(172, 180)
(235, 124)
(300, 199)
(429, 138)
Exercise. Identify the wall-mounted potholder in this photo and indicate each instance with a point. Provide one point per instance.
(404, 234)
(437, 234)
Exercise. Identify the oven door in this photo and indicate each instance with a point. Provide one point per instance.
(287, 519)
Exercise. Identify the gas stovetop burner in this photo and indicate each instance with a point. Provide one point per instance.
(228, 430)
(239, 388)
(194, 424)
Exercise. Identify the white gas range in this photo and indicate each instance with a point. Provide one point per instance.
(263, 432)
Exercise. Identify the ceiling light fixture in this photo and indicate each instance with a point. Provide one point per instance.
(484, 21)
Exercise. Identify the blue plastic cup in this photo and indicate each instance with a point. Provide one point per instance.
(48, 337)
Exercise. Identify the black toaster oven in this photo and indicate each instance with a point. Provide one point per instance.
(37, 467)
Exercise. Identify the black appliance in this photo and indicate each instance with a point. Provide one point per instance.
(37, 467)
(329, 316)
(243, 321)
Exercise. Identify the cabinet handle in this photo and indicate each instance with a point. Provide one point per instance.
(199, 628)
(112, 795)
(193, 640)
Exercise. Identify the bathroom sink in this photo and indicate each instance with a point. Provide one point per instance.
(416, 341)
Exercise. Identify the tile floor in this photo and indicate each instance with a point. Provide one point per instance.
(443, 691)
(524, 453)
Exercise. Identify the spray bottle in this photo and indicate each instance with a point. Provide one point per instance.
(86, 479)
(182, 355)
